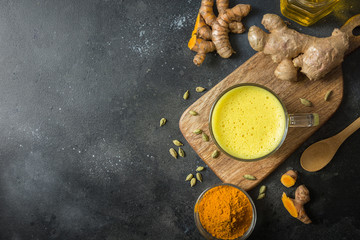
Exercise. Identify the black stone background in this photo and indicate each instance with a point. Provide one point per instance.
(83, 85)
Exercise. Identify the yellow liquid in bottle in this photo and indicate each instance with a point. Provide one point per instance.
(306, 12)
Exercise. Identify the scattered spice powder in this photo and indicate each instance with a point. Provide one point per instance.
(225, 212)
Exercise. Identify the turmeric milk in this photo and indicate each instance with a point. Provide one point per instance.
(248, 122)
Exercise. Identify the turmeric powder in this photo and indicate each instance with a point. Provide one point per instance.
(225, 212)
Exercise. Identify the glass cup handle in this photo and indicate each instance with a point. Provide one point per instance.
(303, 120)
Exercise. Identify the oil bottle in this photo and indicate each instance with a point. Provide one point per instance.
(306, 12)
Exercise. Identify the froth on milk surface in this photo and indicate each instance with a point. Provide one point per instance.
(248, 122)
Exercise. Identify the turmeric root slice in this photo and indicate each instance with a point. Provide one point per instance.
(196, 25)
(288, 179)
(289, 205)
(296, 206)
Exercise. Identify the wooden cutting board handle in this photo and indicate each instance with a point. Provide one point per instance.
(348, 28)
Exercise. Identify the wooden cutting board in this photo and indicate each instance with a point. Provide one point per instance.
(260, 69)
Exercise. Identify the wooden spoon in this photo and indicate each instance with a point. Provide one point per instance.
(319, 154)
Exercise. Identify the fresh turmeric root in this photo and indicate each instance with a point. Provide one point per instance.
(293, 50)
(288, 179)
(210, 29)
(296, 206)
(202, 47)
(199, 40)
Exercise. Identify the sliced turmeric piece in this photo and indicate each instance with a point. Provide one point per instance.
(289, 205)
(196, 25)
(296, 206)
(288, 179)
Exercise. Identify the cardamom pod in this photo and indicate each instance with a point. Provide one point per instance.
(198, 131)
(327, 95)
(189, 177)
(215, 154)
(249, 177)
(205, 137)
(261, 196)
(181, 152)
(262, 189)
(199, 169)
(305, 102)
(192, 182)
(177, 143)
(199, 177)
(162, 122)
(186, 95)
(193, 113)
(200, 89)
(173, 152)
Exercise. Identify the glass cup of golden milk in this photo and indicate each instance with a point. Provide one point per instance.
(249, 122)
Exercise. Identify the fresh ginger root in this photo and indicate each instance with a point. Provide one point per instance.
(288, 179)
(296, 206)
(212, 33)
(293, 50)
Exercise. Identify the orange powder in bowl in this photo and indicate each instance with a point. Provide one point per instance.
(225, 212)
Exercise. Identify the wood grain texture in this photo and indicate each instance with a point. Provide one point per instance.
(260, 69)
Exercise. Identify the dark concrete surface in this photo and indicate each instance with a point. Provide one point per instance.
(83, 85)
